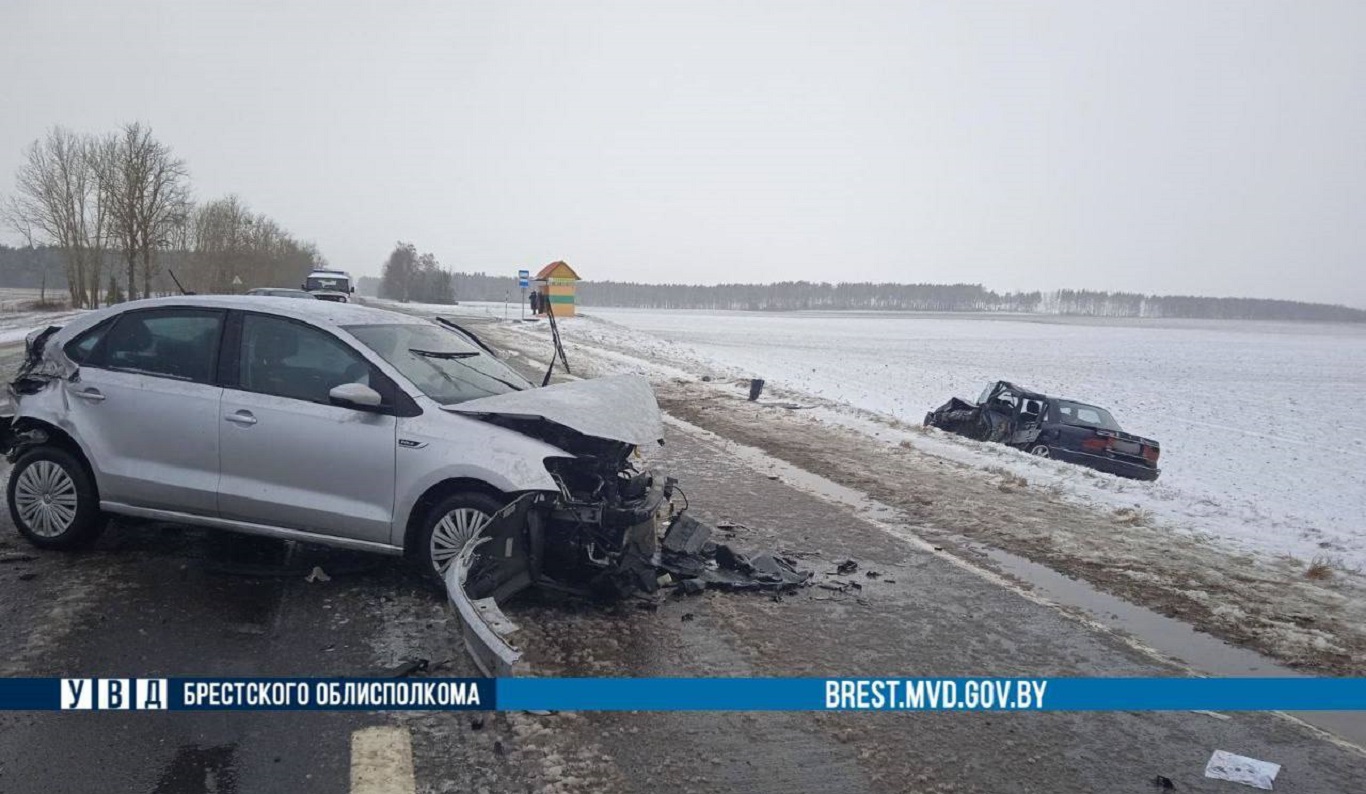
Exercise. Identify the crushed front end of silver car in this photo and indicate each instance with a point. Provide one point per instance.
(598, 536)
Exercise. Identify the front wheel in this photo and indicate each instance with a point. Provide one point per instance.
(448, 526)
(52, 500)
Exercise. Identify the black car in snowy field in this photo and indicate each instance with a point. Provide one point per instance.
(1050, 427)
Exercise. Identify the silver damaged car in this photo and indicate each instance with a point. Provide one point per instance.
(336, 424)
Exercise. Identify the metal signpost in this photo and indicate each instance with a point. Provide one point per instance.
(523, 281)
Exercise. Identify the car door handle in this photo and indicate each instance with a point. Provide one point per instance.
(241, 418)
(91, 394)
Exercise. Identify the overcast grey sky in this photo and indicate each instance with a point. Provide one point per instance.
(1192, 147)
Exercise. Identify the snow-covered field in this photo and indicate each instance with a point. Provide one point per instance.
(1263, 425)
(17, 319)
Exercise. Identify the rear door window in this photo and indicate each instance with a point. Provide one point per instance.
(169, 343)
(80, 348)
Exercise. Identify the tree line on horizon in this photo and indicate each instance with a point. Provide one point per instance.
(868, 296)
(104, 216)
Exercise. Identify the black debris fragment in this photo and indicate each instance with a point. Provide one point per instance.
(17, 557)
(1163, 783)
(405, 669)
(477, 723)
(717, 565)
(846, 567)
(872, 574)
(688, 617)
(686, 535)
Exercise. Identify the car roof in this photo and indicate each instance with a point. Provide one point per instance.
(326, 313)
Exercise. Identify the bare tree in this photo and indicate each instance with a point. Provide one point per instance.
(57, 195)
(147, 194)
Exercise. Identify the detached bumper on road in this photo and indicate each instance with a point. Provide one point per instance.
(483, 626)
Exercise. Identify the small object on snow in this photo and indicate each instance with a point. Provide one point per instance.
(687, 617)
(872, 574)
(846, 567)
(477, 723)
(1163, 782)
(773, 476)
(498, 747)
(756, 387)
(692, 587)
(1241, 769)
(17, 557)
(1213, 714)
(706, 379)
(317, 575)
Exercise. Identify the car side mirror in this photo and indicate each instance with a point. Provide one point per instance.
(355, 395)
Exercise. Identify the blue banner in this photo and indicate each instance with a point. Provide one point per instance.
(685, 694)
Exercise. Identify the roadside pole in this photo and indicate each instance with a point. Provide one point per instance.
(523, 280)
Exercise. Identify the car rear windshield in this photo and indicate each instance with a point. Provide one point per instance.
(443, 363)
(1085, 415)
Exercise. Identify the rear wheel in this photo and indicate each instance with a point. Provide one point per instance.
(1040, 450)
(448, 526)
(52, 500)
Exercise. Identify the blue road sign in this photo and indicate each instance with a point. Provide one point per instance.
(523, 278)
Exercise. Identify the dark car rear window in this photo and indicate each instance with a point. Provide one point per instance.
(1084, 415)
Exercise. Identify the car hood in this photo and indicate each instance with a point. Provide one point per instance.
(617, 408)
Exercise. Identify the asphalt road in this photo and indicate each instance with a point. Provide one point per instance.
(161, 600)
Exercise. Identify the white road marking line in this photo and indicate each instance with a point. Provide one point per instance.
(382, 761)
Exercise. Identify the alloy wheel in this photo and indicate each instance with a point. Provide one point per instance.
(451, 534)
(45, 497)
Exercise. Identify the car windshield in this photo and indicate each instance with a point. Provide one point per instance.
(325, 282)
(445, 364)
(1085, 415)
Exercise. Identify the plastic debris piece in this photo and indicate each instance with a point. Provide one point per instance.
(317, 575)
(686, 535)
(405, 669)
(1241, 769)
(1163, 782)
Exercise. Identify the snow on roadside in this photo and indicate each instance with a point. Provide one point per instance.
(14, 327)
(1240, 465)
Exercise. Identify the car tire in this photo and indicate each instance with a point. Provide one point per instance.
(447, 526)
(1041, 451)
(52, 500)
